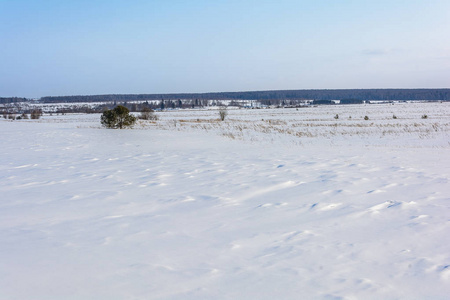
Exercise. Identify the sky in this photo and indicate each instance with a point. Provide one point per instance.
(86, 47)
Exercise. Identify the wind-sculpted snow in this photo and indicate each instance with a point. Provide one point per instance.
(175, 210)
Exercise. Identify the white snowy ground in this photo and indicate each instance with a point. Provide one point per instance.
(228, 210)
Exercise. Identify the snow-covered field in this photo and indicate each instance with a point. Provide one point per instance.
(269, 204)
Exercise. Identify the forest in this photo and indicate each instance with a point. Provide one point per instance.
(266, 97)
(361, 94)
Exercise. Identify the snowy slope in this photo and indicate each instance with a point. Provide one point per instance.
(180, 211)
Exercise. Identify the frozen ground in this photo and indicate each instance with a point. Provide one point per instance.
(270, 204)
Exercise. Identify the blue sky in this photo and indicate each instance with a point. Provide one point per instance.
(104, 47)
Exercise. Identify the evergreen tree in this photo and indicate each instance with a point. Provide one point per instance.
(119, 117)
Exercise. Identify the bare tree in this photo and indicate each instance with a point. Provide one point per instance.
(36, 113)
(223, 112)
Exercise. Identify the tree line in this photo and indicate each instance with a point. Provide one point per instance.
(276, 96)
(5, 100)
(363, 94)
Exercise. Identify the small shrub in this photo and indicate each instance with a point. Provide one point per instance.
(36, 114)
(336, 116)
(394, 117)
(223, 113)
(148, 114)
(24, 116)
(366, 118)
(119, 117)
(424, 117)
(11, 116)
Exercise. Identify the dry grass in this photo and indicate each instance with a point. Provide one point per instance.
(312, 123)
(238, 129)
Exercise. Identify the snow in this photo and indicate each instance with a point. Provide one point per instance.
(193, 208)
